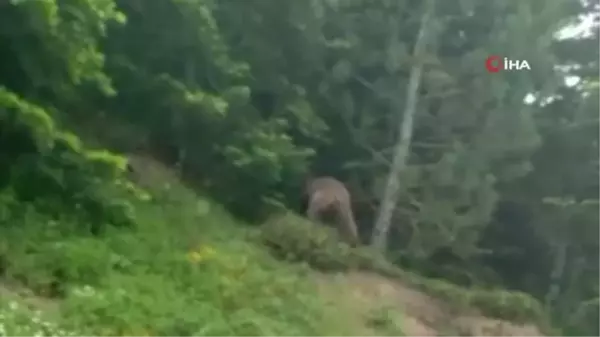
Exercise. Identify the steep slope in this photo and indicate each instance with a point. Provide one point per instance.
(423, 315)
(191, 269)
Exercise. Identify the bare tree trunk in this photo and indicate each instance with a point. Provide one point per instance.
(557, 274)
(402, 147)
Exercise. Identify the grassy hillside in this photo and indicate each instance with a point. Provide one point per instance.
(240, 102)
(86, 249)
(189, 268)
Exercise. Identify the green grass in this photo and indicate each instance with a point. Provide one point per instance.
(293, 238)
(187, 269)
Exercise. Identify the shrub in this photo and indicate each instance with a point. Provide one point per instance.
(297, 239)
(42, 165)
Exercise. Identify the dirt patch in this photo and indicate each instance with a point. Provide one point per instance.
(368, 292)
(25, 296)
(484, 326)
(423, 314)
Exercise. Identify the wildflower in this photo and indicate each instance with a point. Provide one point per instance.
(85, 291)
(200, 255)
(144, 196)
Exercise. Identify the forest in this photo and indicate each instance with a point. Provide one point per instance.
(153, 156)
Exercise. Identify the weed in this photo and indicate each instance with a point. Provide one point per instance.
(184, 270)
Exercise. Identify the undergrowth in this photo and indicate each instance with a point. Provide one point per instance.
(186, 269)
(117, 261)
(295, 239)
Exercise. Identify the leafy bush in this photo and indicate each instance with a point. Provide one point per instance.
(43, 165)
(235, 147)
(295, 238)
(503, 304)
(510, 305)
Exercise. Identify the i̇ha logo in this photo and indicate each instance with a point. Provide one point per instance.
(495, 63)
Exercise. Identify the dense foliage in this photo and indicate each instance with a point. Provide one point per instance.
(245, 97)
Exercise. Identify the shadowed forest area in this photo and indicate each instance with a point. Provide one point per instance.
(153, 156)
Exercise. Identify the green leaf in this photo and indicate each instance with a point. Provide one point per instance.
(342, 71)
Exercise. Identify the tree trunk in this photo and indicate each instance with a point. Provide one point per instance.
(556, 276)
(402, 147)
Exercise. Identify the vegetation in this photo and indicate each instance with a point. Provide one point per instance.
(222, 108)
(200, 279)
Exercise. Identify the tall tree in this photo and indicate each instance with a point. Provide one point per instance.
(405, 131)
